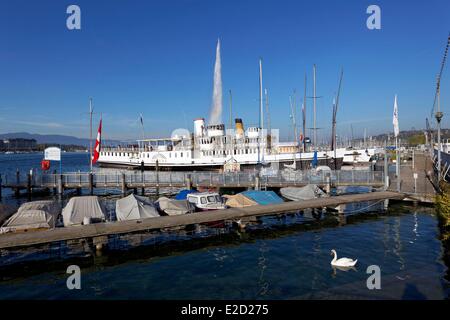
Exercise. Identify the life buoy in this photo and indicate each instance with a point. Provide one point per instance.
(45, 165)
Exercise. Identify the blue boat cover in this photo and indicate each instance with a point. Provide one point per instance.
(263, 197)
(182, 195)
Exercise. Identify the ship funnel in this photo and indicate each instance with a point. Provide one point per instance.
(239, 128)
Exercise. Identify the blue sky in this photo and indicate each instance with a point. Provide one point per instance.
(157, 58)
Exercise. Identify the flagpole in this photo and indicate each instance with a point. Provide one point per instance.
(90, 133)
(397, 152)
(397, 163)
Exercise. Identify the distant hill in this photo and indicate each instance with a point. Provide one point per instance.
(54, 139)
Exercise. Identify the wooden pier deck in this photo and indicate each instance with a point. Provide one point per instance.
(9, 241)
(420, 189)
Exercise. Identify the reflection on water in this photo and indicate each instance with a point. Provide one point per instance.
(281, 258)
(345, 269)
(279, 262)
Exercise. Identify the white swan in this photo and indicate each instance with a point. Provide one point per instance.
(342, 262)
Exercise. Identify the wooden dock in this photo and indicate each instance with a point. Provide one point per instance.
(417, 179)
(103, 230)
(124, 181)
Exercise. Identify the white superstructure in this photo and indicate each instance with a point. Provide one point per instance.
(211, 147)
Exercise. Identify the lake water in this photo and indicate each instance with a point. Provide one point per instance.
(280, 258)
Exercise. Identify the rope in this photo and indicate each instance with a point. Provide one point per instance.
(361, 209)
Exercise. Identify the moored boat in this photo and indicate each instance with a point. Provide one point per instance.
(205, 201)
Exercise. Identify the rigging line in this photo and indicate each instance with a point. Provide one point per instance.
(438, 79)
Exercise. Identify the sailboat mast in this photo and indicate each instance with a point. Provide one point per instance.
(261, 114)
(304, 117)
(267, 111)
(335, 110)
(314, 106)
(231, 110)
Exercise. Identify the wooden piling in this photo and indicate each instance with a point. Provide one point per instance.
(100, 242)
(142, 178)
(257, 183)
(29, 178)
(188, 182)
(91, 183)
(55, 183)
(60, 185)
(0, 187)
(123, 184)
(157, 177)
(328, 184)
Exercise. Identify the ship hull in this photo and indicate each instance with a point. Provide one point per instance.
(304, 164)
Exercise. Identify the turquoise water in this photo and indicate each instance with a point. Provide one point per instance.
(286, 258)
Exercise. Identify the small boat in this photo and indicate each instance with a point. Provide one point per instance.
(206, 201)
(134, 207)
(33, 216)
(182, 195)
(83, 210)
(308, 192)
(173, 207)
(252, 198)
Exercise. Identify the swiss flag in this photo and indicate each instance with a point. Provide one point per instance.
(98, 144)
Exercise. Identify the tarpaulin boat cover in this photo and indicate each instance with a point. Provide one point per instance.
(307, 192)
(182, 195)
(174, 207)
(135, 207)
(263, 197)
(238, 201)
(33, 215)
(80, 207)
(6, 212)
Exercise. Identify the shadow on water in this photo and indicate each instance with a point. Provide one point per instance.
(412, 291)
(147, 245)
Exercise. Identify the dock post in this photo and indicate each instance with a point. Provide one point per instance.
(91, 183)
(142, 178)
(17, 189)
(188, 182)
(29, 177)
(0, 187)
(386, 169)
(386, 204)
(55, 183)
(100, 242)
(123, 184)
(257, 183)
(157, 177)
(327, 183)
(60, 185)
